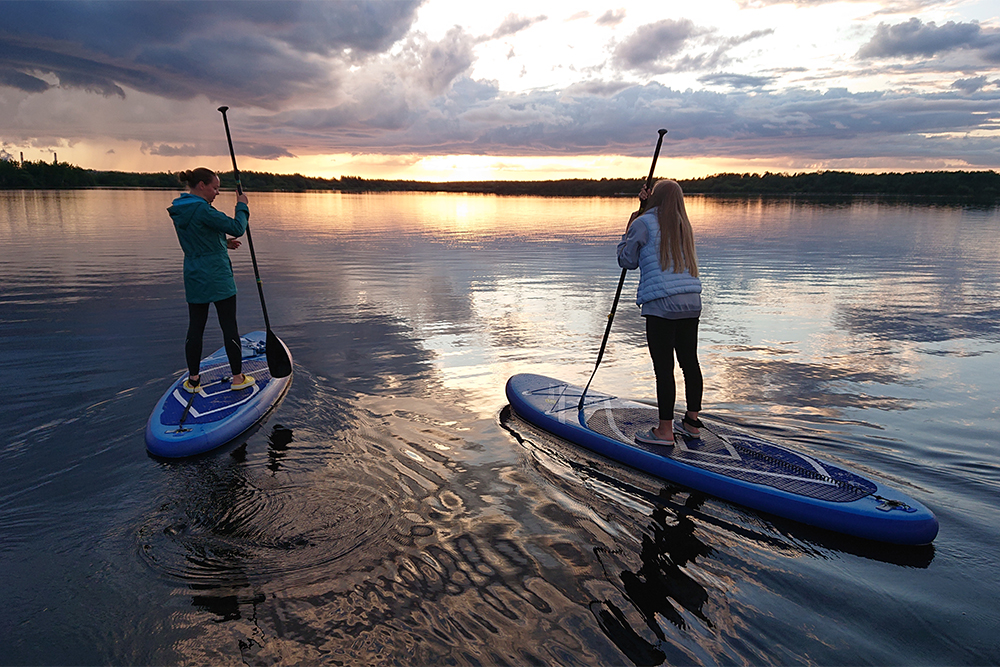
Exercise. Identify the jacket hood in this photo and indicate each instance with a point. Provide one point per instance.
(183, 208)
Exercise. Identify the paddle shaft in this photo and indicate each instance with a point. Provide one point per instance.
(279, 362)
(621, 280)
(239, 191)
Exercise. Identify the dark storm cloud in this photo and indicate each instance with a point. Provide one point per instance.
(915, 38)
(22, 81)
(244, 52)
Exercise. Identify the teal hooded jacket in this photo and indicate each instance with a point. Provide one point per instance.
(202, 230)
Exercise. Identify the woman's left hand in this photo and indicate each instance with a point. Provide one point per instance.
(233, 244)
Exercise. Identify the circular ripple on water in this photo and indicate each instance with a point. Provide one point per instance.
(293, 535)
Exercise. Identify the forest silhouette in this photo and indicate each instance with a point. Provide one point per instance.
(958, 184)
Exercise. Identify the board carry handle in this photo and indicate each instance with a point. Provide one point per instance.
(621, 279)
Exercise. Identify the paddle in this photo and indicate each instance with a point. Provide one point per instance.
(621, 280)
(279, 364)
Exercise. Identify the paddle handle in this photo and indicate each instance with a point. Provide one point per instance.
(652, 167)
(232, 153)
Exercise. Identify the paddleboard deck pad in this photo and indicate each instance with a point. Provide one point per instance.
(184, 424)
(726, 463)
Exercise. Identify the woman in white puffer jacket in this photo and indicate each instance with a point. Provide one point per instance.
(660, 243)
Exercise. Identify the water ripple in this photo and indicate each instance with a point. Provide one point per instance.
(247, 531)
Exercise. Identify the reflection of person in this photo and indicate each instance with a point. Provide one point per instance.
(663, 576)
(208, 273)
(662, 587)
(660, 243)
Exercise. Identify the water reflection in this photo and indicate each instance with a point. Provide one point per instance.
(818, 386)
(679, 558)
(384, 516)
(227, 526)
(659, 586)
(277, 446)
(916, 323)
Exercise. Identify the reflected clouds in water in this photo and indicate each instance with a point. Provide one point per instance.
(920, 325)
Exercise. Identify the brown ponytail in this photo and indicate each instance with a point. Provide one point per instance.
(196, 176)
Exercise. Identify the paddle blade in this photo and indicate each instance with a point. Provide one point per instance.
(279, 360)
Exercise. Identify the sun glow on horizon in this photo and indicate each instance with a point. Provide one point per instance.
(131, 157)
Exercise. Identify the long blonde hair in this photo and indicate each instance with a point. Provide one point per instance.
(676, 236)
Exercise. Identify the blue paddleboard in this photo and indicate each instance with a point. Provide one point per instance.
(184, 424)
(726, 463)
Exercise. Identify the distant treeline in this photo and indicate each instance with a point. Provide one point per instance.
(964, 184)
(933, 183)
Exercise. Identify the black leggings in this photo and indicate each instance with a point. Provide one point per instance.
(197, 318)
(665, 337)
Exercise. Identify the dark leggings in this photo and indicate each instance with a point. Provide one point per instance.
(665, 337)
(198, 317)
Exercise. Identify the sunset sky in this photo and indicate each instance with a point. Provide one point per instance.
(458, 90)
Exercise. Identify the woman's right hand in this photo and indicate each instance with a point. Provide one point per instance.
(643, 196)
(243, 199)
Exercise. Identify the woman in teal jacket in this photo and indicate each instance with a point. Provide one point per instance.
(208, 273)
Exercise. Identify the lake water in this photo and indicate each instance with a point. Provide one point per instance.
(392, 511)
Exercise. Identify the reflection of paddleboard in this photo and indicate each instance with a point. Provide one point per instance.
(726, 463)
(184, 424)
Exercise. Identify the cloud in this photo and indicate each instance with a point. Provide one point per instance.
(514, 24)
(437, 64)
(262, 151)
(835, 126)
(737, 80)
(391, 94)
(258, 53)
(915, 38)
(742, 39)
(21, 81)
(887, 7)
(91, 84)
(595, 88)
(167, 150)
(650, 45)
(612, 17)
(653, 48)
(312, 77)
(970, 85)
